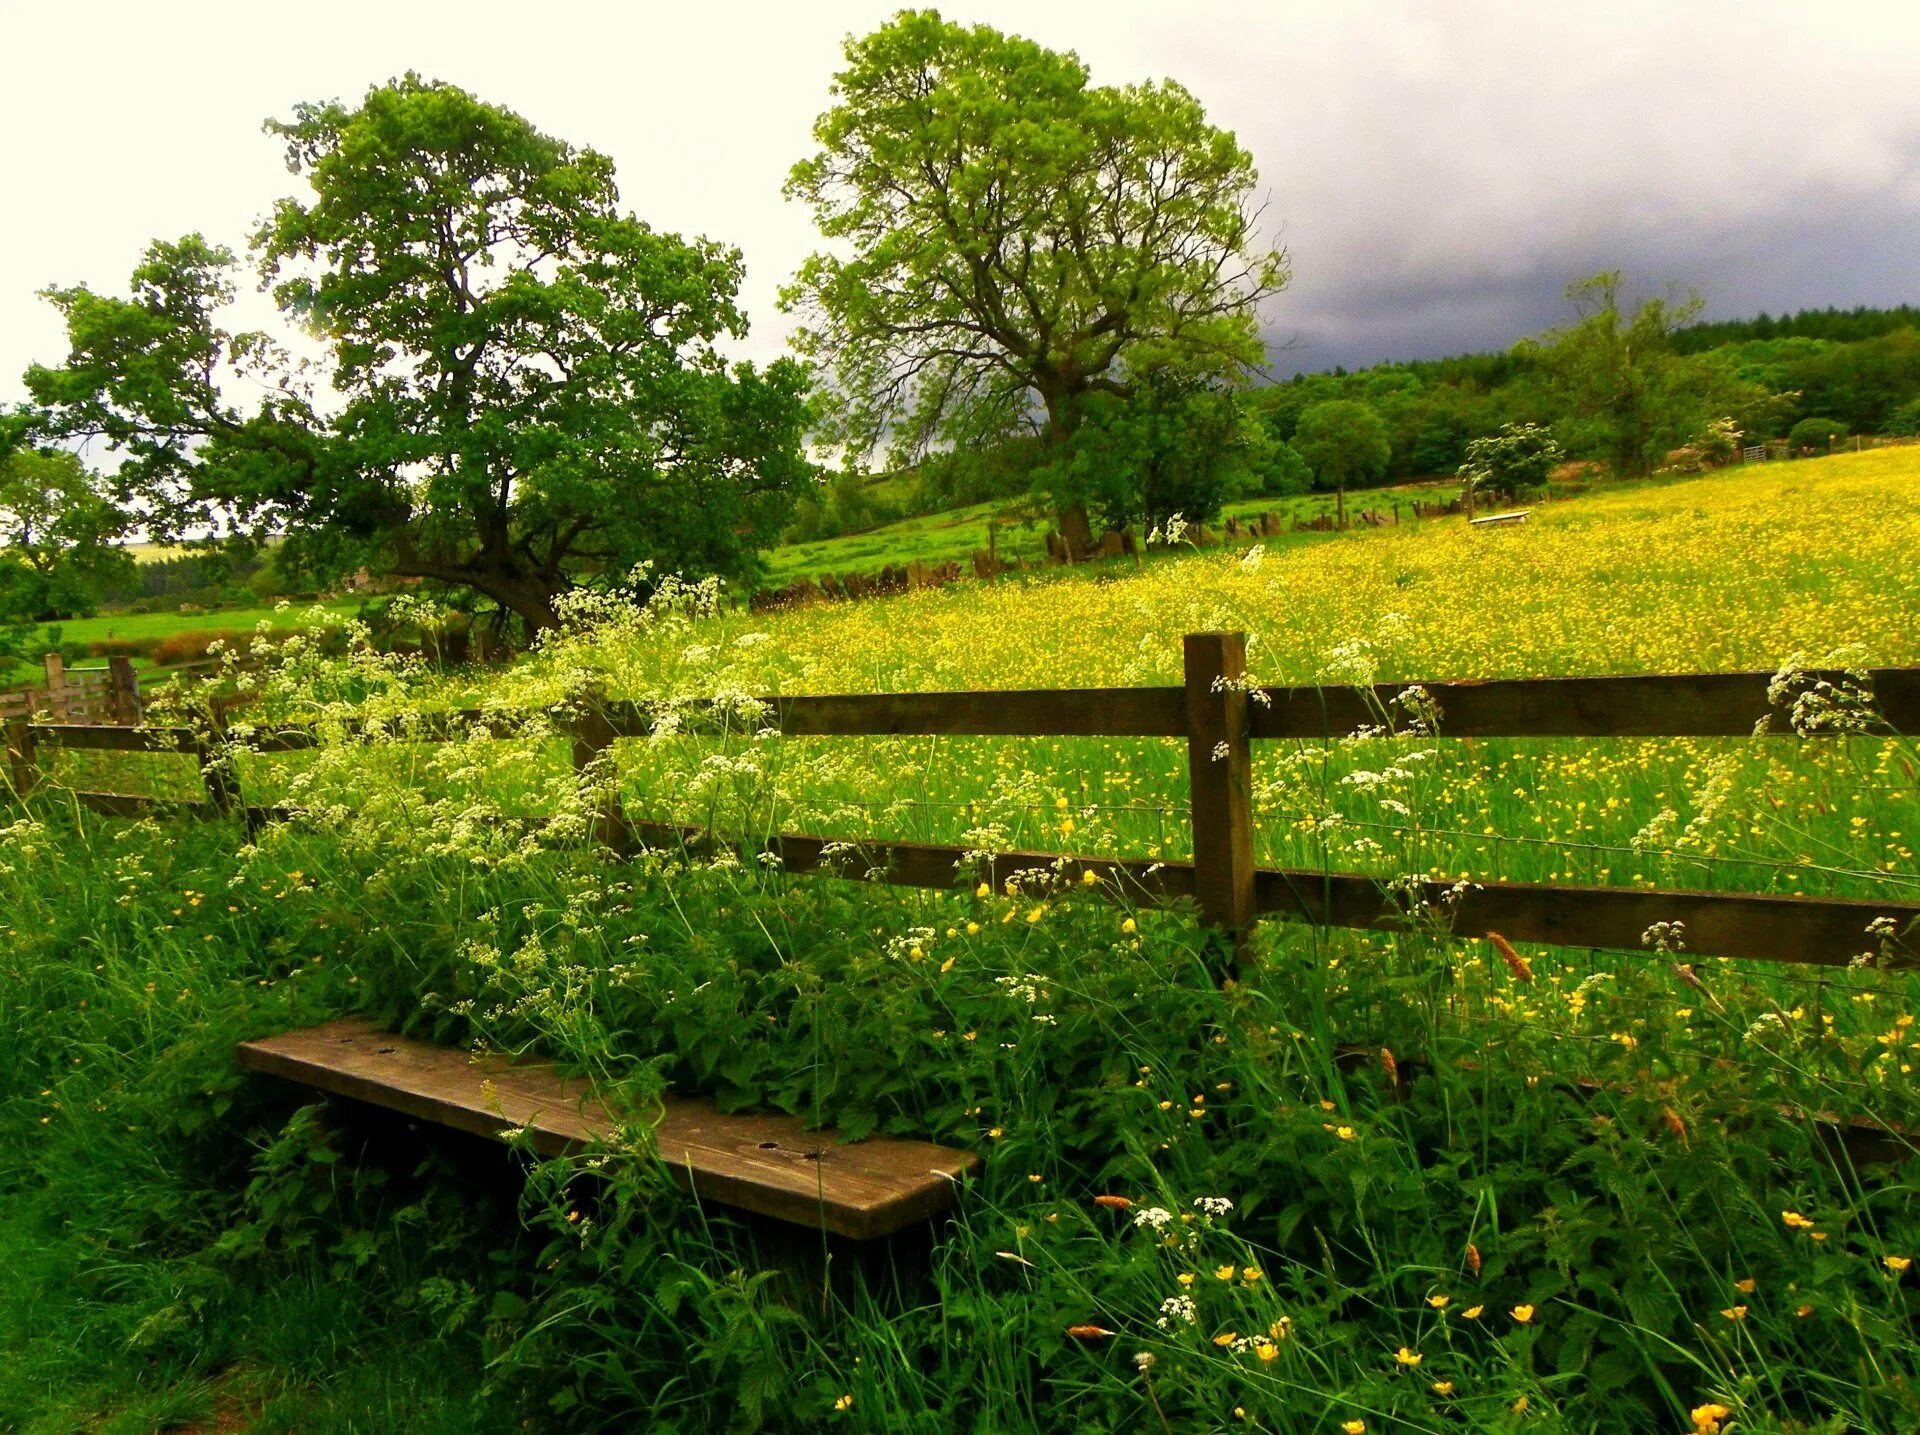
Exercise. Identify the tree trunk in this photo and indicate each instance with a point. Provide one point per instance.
(1076, 529)
(529, 599)
(528, 596)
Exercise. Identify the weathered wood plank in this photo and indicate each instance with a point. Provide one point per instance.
(23, 766)
(1824, 931)
(420, 727)
(1035, 712)
(768, 1164)
(917, 864)
(139, 804)
(1827, 931)
(1661, 705)
(97, 738)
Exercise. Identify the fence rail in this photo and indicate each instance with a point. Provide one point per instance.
(1219, 715)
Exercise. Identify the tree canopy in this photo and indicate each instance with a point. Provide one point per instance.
(60, 532)
(1343, 442)
(1010, 240)
(1174, 446)
(1627, 394)
(524, 386)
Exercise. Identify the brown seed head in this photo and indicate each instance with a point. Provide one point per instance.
(1516, 963)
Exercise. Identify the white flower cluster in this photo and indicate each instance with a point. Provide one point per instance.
(1212, 1205)
(1153, 1216)
(1176, 1308)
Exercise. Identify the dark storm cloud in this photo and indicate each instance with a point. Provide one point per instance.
(1817, 248)
(1439, 173)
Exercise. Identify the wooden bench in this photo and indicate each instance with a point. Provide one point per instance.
(1494, 520)
(768, 1164)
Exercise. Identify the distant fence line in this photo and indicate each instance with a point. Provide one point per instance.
(106, 696)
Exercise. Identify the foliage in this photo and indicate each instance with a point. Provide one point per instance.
(1839, 326)
(1172, 446)
(1008, 237)
(1564, 1187)
(1905, 420)
(840, 503)
(1344, 443)
(530, 391)
(1515, 461)
(1816, 435)
(59, 536)
(1285, 472)
(1628, 396)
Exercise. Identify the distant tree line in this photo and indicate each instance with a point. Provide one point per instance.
(1625, 386)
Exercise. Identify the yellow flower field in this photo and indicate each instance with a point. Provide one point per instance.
(1736, 570)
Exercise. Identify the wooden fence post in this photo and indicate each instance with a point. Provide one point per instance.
(1220, 772)
(123, 692)
(22, 757)
(56, 671)
(592, 736)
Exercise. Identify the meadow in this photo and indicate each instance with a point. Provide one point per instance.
(953, 535)
(1388, 1182)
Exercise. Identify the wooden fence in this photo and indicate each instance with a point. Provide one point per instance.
(110, 695)
(1219, 716)
(78, 695)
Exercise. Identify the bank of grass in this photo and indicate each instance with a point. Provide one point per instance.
(954, 535)
(1585, 1203)
(145, 630)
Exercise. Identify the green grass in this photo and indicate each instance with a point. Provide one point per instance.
(149, 627)
(1599, 1140)
(954, 535)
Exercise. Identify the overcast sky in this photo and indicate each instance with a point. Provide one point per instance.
(1438, 171)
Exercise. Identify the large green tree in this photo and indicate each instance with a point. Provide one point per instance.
(1009, 240)
(1343, 442)
(61, 534)
(524, 384)
(1628, 395)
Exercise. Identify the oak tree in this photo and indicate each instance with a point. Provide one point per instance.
(1008, 240)
(524, 383)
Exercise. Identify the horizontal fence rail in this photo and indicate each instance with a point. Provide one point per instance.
(1219, 714)
(1037, 712)
(1662, 705)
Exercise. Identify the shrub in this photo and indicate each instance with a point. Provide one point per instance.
(193, 646)
(1816, 434)
(1515, 462)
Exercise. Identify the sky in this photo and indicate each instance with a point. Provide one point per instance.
(1438, 172)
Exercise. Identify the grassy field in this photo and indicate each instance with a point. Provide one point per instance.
(1591, 1206)
(954, 535)
(146, 627)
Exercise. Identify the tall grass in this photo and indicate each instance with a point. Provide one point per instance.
(1390, 1181)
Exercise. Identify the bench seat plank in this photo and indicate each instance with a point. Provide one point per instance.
(766, 1163)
